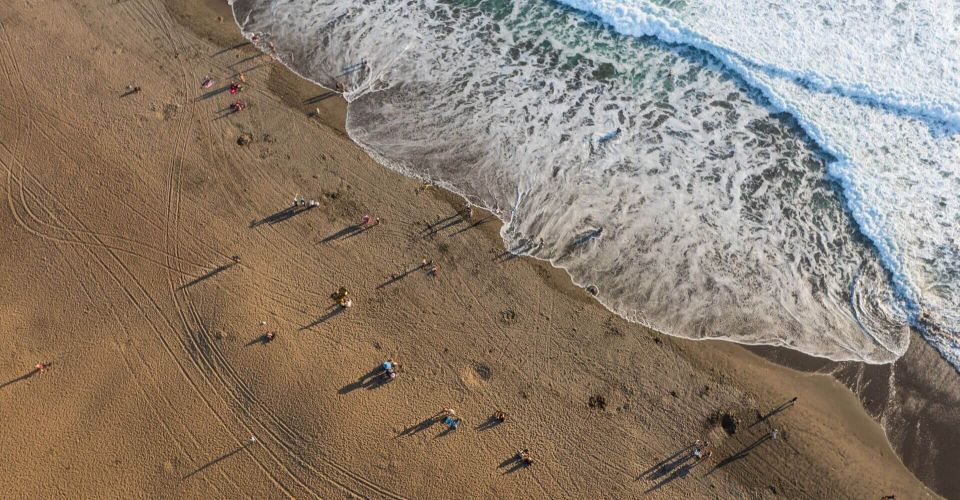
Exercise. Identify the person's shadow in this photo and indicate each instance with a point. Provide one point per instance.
(678, 473)
(280, 216)
(370, 380)
(346, 232)
(332, 312)
(420, 427)
(741, 454)
(487, 424)
(667, 465)
(783, 406)
(261, 340)
(513, 464)
(217, 460)
(21, 378)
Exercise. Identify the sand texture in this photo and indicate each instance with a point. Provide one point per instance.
(121, 213)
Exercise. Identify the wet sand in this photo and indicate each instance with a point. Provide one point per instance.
(120, 219)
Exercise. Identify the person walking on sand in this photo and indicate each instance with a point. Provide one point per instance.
(41, 367)
(364, 220)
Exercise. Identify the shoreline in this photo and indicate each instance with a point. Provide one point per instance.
(861, 378)
(872, 384)
(338, 122)
(150, 333)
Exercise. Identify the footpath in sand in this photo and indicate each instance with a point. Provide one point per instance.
(120, 218)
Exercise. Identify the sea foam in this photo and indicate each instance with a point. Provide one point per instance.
(718, 219)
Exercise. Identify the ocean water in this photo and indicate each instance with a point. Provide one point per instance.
(778, 173)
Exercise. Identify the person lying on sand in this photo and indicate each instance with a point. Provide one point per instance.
(390, 364)
(451, 421)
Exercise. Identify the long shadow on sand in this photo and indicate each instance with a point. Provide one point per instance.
(207, 275)
(317, 98)
(260, 340)
(21, 378)
(677, 473)
(487, 424)
(225, 112)
(246, 60)
(279, 216)
(475, 224)
(228, 49)
(740, 454)
(395, 278)
(783, 406)
(346, 232)
(332, 312)
(217, 460)
(513, 464)
(212, 93)
(671, 468)
(666, 465)
(377, 377)
(441, 224)
(420, 427)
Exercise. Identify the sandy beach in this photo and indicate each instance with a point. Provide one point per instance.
(129, 190)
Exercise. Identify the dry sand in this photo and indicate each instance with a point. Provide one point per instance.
(119, 221)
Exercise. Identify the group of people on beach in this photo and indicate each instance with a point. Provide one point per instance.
(234, 88)
(389, 368)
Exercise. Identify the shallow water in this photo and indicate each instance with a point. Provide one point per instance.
(730, 184)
